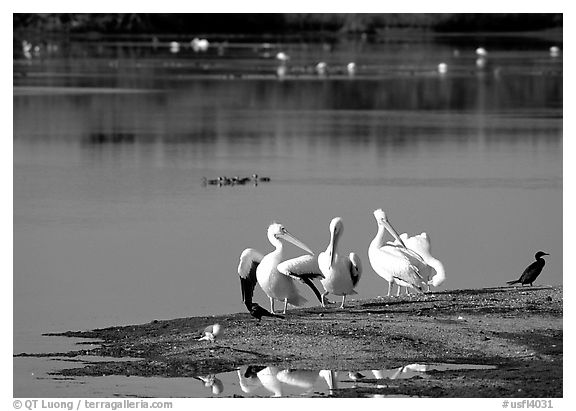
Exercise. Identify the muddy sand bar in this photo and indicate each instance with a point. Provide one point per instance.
(516, 329)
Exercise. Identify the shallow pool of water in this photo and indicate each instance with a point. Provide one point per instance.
(252, 381)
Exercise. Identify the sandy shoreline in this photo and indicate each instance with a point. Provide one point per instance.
(518, 330)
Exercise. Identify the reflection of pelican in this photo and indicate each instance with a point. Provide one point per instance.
(391, 374)
(248, 379)
(211, 332)
(267, 377)
(421, 244)
(299, 378)
(331, 378)
(532, 271)
(254, 268)
(341, 273)
(210, 381)
(395, 263)
(400, 373)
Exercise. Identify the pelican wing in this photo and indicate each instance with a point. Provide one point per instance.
(402, 263)
(305, 266)
(249, 260)
(419, 243)
(355, 268)
(305, 269)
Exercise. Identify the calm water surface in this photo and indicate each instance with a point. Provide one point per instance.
(112, 224)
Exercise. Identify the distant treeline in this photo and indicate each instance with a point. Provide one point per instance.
(282, 23)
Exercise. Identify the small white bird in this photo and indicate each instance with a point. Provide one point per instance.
(211, 332)
(395, 262)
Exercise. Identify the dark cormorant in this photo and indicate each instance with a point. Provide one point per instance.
(532, 271)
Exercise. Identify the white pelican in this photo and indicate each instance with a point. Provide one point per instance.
(395, 262)
(321, 68)
(256, 268)
(211, 332)
(340, 273)
(554, 51)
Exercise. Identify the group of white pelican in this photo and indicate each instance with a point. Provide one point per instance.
(404, 261)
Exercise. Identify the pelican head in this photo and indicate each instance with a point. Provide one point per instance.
(336, 230)
(540, 254)
(277, 232)
(382, 221)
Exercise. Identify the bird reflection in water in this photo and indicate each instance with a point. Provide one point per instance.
(210, 381)
(272, 381)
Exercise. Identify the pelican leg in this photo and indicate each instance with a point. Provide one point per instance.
(271, 305)
(398, 292)
(389, 288)
(408, 291)
(322, 299)
(428, 288)
(285, 305)
(343, 301)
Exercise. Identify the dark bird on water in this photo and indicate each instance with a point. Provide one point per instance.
(532, 271)
(258, 311)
